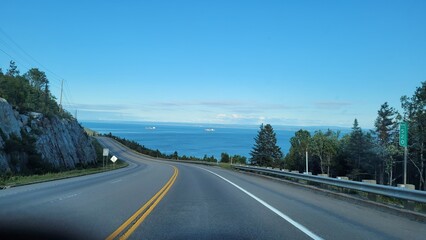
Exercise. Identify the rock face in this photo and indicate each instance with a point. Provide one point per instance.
(61, 143)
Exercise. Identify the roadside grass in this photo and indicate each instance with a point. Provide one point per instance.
(225, 165)
(24, 180)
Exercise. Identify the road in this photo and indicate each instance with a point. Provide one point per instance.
(202, 202)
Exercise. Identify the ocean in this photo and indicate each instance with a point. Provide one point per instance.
(192, 139)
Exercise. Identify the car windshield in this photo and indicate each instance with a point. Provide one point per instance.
(212, 119)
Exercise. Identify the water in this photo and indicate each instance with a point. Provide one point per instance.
(191, 139)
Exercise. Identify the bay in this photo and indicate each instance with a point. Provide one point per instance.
(192, 139)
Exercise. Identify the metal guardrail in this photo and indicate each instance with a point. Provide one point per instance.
(395, 192)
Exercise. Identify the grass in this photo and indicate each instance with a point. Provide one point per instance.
(90, 132)
(24, 180)
(225, 165)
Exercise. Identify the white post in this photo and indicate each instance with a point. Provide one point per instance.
(405, 164)
(307, 164)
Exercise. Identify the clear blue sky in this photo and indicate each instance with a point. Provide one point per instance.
(242, 62)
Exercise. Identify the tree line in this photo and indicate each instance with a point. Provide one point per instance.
(360, 154)
(29, 92)
(225, 157)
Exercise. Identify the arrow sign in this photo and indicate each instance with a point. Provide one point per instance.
(403, 134)
(113, 159)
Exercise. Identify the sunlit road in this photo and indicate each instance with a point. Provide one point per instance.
(202, 203)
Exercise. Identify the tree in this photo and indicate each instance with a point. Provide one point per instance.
(300, 144)
(238, 159)
(355, 144)
(40, 95)
(15, 90)
(13, 70)
(175, 155)
(37, 79)
(415, 115)
(265, 150)
(224, 157)
(325, 147)
(385, 129)
(359, 153)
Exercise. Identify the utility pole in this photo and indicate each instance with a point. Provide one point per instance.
(62, 89)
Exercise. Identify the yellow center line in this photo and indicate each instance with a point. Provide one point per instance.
(130, 225)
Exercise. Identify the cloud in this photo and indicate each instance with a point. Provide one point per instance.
(223, 104)
(97, 107)
(226, 112)
(332, 105)
(234, 118)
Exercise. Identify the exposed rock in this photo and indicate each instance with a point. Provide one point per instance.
(64, 143)
(60, 142)
(9, 123)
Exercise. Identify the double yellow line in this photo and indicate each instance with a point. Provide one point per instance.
(129, 226)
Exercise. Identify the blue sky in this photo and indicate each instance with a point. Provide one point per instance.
(304, 63)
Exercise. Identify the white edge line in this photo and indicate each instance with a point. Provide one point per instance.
(276, 211)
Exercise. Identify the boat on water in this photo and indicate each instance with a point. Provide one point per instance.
(209, 130)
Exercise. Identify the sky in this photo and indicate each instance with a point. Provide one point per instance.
(300, 63)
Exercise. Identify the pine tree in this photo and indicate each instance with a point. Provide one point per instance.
(385, 124)
(415, 115)
(385, 128)
(13, 70)
(265, 150)
(356, 144)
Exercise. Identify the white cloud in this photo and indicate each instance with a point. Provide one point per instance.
(225, 112)
(332, 105)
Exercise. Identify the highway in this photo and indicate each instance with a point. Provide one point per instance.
(191, 202)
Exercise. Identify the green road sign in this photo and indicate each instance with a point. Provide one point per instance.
(403, 134)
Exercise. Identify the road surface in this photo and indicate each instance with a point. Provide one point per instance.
(198, 202)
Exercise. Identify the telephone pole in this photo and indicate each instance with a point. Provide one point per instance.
(62, 89)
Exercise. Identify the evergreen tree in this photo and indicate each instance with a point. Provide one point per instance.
(415, 115)
(356, 144)
(385, 129)
(385, 124)
(13, 70)
(265, 150)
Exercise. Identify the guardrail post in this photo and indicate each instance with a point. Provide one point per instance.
(407, 186)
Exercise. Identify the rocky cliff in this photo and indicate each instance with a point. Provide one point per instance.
(32, 142)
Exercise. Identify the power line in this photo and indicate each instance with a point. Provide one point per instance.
(28, 55)
(58, 78)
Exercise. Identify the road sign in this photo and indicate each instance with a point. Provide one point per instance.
(403, 134)
(106, 152)
(114, 159)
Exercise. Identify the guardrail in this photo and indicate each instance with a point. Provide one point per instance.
(395, 192)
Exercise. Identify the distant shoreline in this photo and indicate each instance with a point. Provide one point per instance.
(224, 125)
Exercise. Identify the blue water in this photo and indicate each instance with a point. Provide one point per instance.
(191, 139)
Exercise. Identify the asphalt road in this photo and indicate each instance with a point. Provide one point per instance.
(203, 203)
